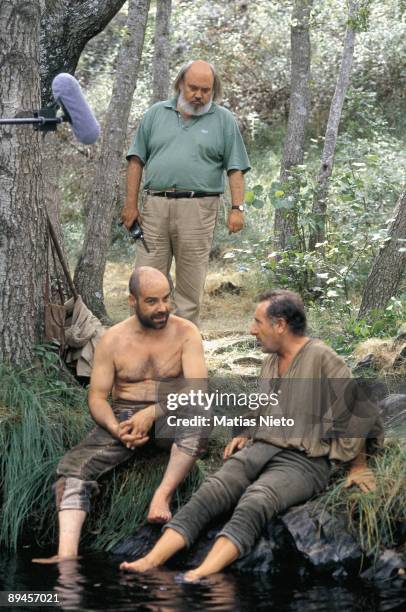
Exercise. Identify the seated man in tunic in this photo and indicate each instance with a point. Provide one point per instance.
(273, 469)
(130, 360)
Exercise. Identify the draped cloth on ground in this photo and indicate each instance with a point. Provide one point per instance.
(82, 332)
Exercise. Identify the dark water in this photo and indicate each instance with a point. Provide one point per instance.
(95, 583)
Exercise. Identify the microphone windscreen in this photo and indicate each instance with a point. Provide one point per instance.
(67, 92)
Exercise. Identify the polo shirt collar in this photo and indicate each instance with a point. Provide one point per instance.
(172, 102)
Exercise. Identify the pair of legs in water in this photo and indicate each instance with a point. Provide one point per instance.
(97, 454)
(257, 482)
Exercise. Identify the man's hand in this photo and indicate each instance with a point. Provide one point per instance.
(133, 432)
(362, 477)
(129, 214)
(236, 443)
(235, 221)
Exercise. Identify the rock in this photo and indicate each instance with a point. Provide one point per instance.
(304, 533)
(393, 408)
(366, 362)
(322, 540)
(223, 283)
(249, 360)
(383, 353)
(390, 568)
(236, 345)
(400, 360)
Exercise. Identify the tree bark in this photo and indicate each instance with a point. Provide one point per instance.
(389, 265)
(293, 151)
(319, 208)
(66, 27)
(22, 213)
(162, 51)
(101, 204)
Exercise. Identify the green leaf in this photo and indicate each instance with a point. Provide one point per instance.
(258, 190)
(258, 203)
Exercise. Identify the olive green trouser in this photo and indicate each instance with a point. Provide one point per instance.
(181, 228)
(259, 481)
(99, 452)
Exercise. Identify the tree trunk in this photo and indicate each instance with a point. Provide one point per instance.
(22, 213)
(319, 208)
(293, 151)
(162, 51)
(66, 27)
(389, 265)
(90, 269)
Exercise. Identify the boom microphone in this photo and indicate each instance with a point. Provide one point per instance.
(68, 94)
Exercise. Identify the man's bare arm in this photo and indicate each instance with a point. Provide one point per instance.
(235, 221)
(193, 362)
(130, 211)
(101, 383)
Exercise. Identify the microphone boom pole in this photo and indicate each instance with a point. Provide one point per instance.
(44, 120)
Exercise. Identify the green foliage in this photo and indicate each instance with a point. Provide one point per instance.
(374, 518)
(43, 413)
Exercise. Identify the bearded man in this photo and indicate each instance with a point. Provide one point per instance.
(130, 360)
(186, 144)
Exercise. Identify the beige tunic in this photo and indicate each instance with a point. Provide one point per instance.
(331, 415)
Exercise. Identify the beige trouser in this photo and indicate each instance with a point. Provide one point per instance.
(181, 228)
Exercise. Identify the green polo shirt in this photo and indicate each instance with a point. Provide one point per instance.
(190, 155)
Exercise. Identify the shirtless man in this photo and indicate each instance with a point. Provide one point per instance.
(130, 359)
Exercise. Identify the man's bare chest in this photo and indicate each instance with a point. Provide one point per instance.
(140, 363)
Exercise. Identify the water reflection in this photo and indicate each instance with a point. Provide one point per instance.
(70, 584)
(94, 582)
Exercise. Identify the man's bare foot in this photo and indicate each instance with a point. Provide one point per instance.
(193, 576)
(159, 511)
(54, 559)
(141, 565)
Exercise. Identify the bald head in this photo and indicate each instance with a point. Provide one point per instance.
(147, 281)
(199, 69)
(201, 74)
(150, 297)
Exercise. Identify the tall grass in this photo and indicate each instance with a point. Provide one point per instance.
(43, 413)
(375, 518)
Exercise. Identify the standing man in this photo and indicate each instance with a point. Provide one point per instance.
(276, 467)
(130, 360)
(186, 144)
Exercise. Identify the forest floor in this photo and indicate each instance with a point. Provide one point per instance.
(227, 311)
(225, 321)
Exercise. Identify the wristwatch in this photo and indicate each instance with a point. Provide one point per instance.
(240, 207)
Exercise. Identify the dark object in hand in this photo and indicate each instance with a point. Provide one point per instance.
(137, 234)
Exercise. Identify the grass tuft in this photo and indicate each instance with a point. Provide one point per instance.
(374, 518)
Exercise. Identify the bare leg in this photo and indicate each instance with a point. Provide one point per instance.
(179, 465)
(220, 555)
(70, 527)
(167, 545)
